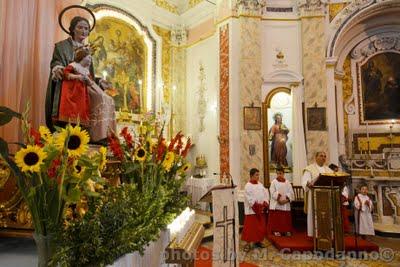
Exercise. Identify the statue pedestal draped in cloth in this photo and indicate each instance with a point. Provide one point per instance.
(102, 113)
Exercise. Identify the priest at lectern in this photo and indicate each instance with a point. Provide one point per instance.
(310, 175)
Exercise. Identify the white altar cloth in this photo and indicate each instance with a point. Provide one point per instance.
(197, 187)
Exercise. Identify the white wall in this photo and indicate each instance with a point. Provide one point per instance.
(206, 142)
(285, 36)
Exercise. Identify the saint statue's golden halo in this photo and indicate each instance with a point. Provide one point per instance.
(75, 7)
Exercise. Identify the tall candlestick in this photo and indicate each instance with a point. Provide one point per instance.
(366, 129)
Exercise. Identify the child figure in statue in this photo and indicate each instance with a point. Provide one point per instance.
(74, 100)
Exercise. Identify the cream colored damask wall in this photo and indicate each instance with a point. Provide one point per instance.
(314, 72)
(250, 92)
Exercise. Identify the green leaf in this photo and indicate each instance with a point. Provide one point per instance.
(74, 195)
(3, 148)
(7, 114)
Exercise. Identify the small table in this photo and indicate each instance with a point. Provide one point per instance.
(197, 187)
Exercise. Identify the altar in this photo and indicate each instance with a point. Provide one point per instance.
(197, 187)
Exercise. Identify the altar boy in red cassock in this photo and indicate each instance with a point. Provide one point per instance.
(255, 208)
(280, 218)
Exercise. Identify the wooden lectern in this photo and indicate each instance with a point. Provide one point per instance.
(326, 204)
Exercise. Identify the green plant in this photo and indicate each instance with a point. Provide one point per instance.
(126, 218)
(123, 220)
(52, 170)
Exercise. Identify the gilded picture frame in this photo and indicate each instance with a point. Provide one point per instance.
(316, 119)
(252, 118)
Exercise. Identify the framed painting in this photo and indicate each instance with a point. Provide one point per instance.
(380, 87)
(252, 118)
(316, 119)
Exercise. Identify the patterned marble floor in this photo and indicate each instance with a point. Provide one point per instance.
(389, 255)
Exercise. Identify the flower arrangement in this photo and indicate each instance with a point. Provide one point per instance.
(148, 161)
(52, 170)
(126, 218)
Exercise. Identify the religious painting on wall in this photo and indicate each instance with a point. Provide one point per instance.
(252, 118)
(380, 87)
(279, 133)
(121, 58)
(316, 119)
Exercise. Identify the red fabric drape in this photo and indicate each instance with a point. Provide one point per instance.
(28, 31)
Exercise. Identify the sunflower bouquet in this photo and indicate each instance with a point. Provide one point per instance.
(53, 171)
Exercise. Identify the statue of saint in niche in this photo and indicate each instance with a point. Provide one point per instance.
(278, 135)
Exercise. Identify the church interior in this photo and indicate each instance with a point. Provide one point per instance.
(201, 92)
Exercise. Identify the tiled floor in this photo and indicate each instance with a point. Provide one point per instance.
(270, 256)
(17, 252)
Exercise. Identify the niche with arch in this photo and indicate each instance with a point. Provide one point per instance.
(277, 133)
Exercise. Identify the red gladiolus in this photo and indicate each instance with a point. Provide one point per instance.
(161, 149)
(179, 145)
(187, 147)
(52, 171)
(173, 141)
(115, 147)
(127, 136)
(36, 136)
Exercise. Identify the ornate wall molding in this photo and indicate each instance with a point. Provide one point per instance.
(249, 7)
(164, 4)
(202, 106)
(348, 12)
(312, 7)
(346, 17)
(179, 35)
(375, 44)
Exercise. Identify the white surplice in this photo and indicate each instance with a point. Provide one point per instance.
(363, 214)
(284, 189)
(254, 193)
(311, 174)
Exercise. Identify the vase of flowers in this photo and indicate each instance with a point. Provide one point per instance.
(127, 217)
(53, 171)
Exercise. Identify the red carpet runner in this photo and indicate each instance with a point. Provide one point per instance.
(205, 259)
(300, 242)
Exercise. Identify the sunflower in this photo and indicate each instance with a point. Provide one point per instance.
(30, 158)
(45, 134)
(168, 161)
(77, 143)
(140, 154)
(185, 167)
(103, 154)
(79, 170)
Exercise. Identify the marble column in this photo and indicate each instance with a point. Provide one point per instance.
(250, 83)
(331, 110)
(314, 70)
